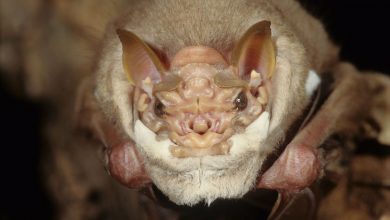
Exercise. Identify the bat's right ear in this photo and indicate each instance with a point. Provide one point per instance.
(139, 60)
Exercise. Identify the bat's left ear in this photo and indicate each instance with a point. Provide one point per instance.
(255, 51)
(139, 60)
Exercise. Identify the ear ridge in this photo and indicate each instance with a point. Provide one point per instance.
(139, 60)
(255, 51)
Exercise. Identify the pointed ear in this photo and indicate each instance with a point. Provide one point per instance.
(255, 51)
(139, 60)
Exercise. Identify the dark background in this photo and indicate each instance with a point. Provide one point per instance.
(361, 28)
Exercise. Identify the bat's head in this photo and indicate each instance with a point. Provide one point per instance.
(200, 117)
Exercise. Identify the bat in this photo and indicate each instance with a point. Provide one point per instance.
(221, 98)
(235, 108)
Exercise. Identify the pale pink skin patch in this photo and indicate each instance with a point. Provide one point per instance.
(198, 54)
(126, 165)
(198, 112)
(199, 115)
(123, 160)
(299, 165)
(297, 168)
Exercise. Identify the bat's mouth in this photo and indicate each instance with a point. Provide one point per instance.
(201, 135)
(208, 133)
(197, 145)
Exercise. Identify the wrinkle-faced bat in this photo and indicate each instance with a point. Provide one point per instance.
(211, 99)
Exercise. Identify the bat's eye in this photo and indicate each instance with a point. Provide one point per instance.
(241, 101)
(159, 108)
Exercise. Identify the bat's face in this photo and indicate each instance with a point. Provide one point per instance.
(199, 107)
(201, 114)
(201, 121)
(200, 128)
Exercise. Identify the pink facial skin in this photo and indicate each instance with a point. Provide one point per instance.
(199, 111)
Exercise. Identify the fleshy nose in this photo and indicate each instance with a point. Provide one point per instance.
(200, 125)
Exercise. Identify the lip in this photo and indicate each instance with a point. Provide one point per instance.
(195, 140)
(221, 148)
(194, 144)
(212, 125)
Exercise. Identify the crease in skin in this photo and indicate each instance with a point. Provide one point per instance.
(198, 54)
(169, 83)
(228, 81)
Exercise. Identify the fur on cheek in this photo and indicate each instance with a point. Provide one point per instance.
(193, 180)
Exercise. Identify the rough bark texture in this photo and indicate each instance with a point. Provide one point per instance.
(46, 54)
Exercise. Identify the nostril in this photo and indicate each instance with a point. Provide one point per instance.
(209, 124)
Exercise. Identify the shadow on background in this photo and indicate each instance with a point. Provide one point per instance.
(22, 190)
